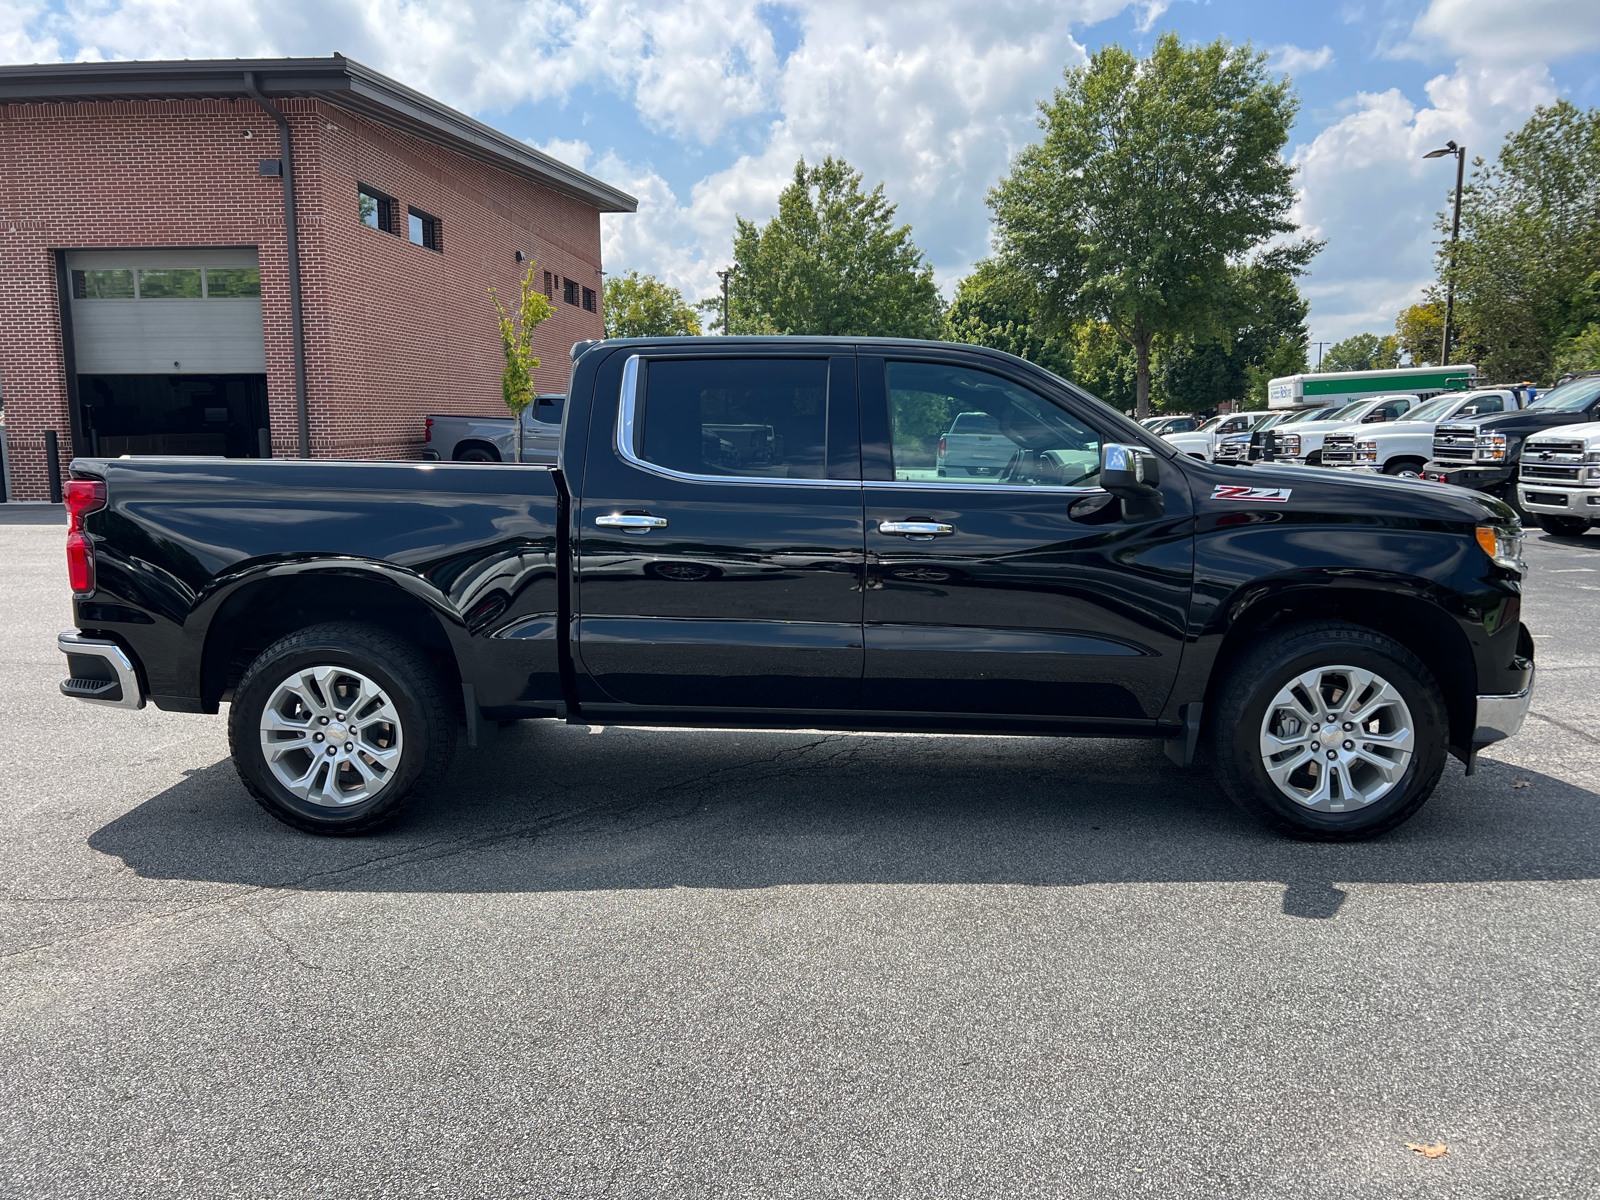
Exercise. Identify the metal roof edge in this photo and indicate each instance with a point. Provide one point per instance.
(340, 80)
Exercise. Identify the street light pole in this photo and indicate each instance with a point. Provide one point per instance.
(725, 276)
(1460, 153)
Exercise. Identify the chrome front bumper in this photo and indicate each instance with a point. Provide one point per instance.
(1499, 717)
(101, 672)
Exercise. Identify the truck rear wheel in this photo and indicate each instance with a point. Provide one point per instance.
(1329, 732)
(334, 727)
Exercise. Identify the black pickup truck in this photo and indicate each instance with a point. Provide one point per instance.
(1484, 453)
(1327, 640)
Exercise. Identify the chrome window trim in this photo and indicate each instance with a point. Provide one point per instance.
(624, 444)
(629, 399)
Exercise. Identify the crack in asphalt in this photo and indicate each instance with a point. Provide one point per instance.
(1573, 730)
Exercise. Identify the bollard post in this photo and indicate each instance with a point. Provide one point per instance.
(52, 464)
(263, 444)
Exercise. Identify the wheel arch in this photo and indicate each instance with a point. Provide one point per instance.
(258, 611)
(475, 444)
(1398, 611)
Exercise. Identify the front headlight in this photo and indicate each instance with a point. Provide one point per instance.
(1366, 452)
(1491, 447)
(1502, 544)
(1289, 443)
(1593, 474)
(1592, 456)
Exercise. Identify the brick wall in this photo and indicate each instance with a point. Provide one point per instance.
(393, 331)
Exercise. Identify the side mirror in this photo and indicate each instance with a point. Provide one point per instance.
(1128, 471)
(1368, 420)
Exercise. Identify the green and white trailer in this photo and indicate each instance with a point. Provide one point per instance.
(1322, 388)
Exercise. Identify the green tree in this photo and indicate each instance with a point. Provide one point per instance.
(642, 306)
(1264, 336)
(1579, 353)
(1420, 331)
(516, 338)
(1530, 239)
(1363, 352)
(1153, 177)
(832, 262)
(993, 308)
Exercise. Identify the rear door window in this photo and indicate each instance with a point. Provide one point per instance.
(751, 417)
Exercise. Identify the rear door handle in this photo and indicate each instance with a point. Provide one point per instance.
(917, 529)
(631, 522)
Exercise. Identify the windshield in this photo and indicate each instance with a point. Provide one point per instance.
(1436, 409)
(1211, 424)
(1570, 397)
(1351, 411)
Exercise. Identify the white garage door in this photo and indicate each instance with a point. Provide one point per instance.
(167, 312)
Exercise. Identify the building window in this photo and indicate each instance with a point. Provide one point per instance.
(549, 286)
(377, 210)
(102, 285)
(424, 230)
(588, 300)
(569, 291)
(169, 283)
(233, 283)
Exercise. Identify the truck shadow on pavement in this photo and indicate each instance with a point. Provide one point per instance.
(554, 808)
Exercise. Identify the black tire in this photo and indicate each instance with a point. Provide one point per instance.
(1401, 466)
(477, 454)
(427, 723)
(1240, 708)
(1563, 526)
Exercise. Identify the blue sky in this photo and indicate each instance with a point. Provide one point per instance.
(701, 107)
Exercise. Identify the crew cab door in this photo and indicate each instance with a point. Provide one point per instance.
(1023, 593)
(720, 539)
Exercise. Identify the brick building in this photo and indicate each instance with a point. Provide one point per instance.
(155, 297)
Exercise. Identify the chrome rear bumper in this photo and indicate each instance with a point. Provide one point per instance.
(101, 672)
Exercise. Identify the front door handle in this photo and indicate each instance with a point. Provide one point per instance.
(631, 522)
(917, 529)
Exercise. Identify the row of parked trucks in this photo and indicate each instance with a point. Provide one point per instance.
(1537, 451)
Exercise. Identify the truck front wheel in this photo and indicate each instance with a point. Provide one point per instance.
(1563, 526)
(334, 727)
(1329, 732)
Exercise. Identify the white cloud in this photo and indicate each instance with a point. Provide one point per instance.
(1294, 60)
(17, 45)
(1514, 31)
(1366, 187)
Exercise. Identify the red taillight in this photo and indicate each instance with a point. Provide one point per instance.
(427, 429)
(80, 562)
(941, 445)
(82, 496)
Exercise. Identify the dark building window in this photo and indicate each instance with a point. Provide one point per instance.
(424, 230)
(569, 291)
(377, 210)
(588, 300)
(549, 286)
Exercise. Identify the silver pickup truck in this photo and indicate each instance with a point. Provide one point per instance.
(492, 439)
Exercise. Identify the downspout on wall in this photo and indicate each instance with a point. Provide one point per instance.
(292, 231)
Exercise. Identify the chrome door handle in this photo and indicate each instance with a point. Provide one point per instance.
(631, 522)
(916, 528)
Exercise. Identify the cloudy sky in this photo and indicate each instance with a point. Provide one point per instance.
(701, 107)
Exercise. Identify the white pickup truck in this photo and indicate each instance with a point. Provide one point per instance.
(1203, 442)
(1402, 447)
(1302, 445)
(1559, 478)
(493, 439)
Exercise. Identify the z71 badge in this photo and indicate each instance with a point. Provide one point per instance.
(1224, 491)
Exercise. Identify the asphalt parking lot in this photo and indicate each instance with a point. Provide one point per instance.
(636, 963)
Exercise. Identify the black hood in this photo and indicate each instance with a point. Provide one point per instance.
(1322, 489)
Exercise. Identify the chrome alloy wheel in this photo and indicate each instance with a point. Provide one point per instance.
(331, 736)
(1337, 738)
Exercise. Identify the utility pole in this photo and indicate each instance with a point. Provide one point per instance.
(1460, 153)
(1319, 346)
(725, 276)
